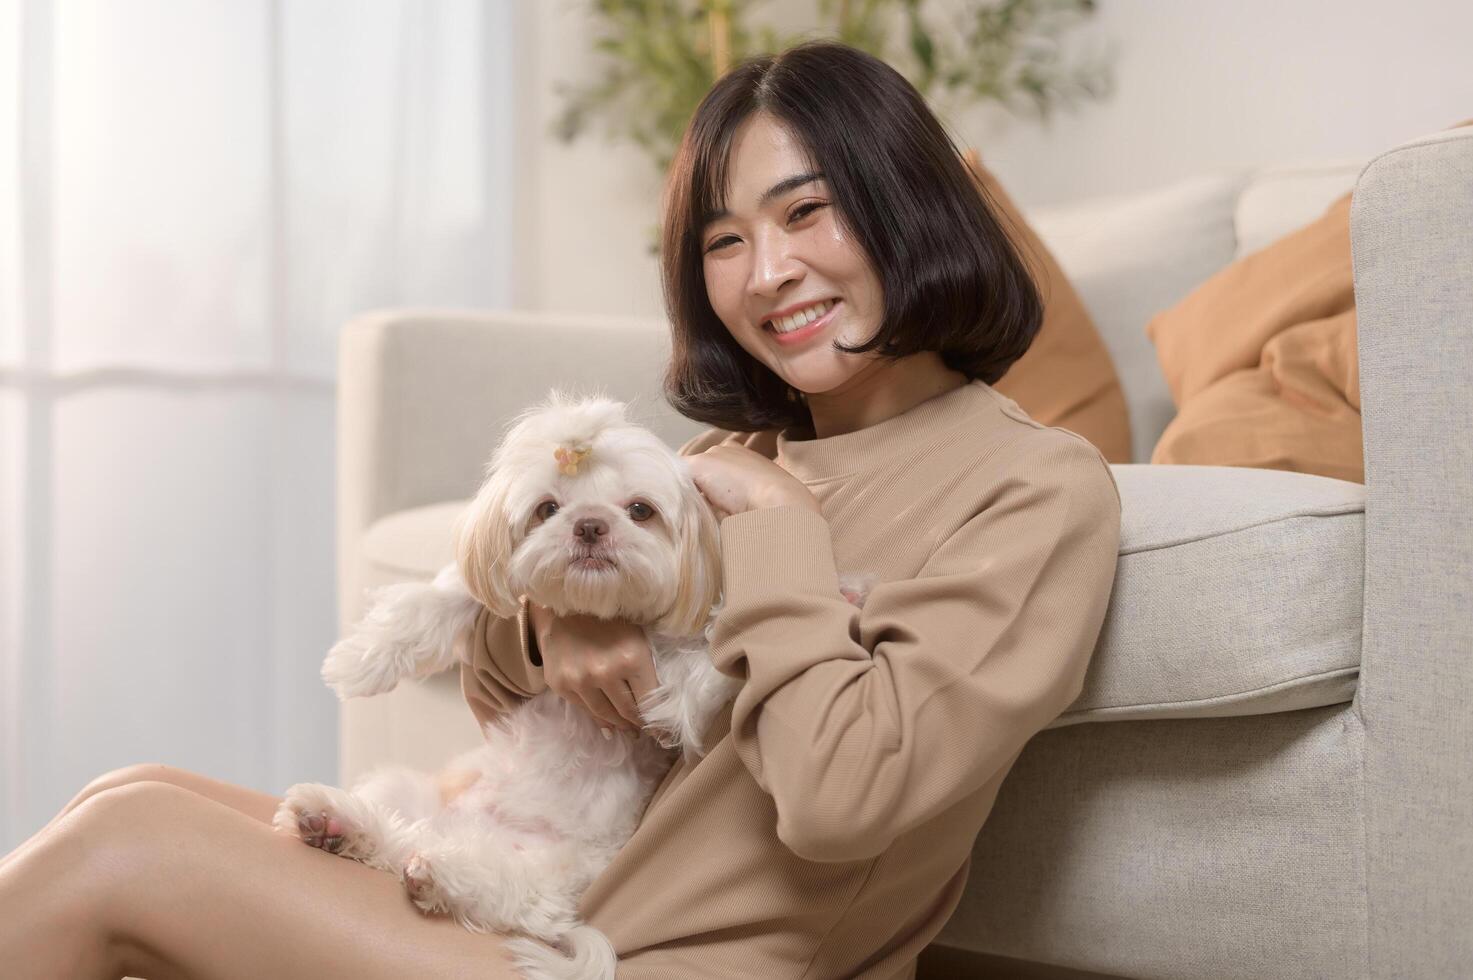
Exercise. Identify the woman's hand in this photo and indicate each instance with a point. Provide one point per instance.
(601, 665)
(734, 480)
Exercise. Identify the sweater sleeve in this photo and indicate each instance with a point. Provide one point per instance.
(500, 666)
(864, 724)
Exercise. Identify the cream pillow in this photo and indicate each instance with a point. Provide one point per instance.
(1131, 256)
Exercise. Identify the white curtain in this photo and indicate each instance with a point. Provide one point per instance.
(194, 196)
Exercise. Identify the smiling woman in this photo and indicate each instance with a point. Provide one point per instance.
(819, 238)
(783, 272)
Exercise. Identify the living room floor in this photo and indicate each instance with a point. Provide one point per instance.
(948, 963)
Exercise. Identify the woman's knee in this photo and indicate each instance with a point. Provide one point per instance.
(117, 838)
(143, 772)
(115, 806)
(105, 828)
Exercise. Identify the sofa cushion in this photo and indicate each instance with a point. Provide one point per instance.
(1238, 591)
(412, 544)
(1261, 359)
(1132, 255)
(1278, 200)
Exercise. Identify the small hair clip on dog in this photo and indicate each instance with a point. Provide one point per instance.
(569, 457)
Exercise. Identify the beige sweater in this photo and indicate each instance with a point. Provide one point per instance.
(828, 833)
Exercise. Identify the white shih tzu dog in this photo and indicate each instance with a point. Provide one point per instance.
(584, 512)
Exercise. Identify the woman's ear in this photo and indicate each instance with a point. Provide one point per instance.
(483, 547)
(699, 541)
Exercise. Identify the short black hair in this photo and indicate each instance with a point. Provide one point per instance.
(952, 279)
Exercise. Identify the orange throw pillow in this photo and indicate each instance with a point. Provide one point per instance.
(1262, 362)
(1066, 378)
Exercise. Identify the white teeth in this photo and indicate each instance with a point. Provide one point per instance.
(802, 318)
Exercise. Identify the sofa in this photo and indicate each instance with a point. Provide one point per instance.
(1269, 772)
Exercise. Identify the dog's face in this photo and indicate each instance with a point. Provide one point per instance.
(587, 513)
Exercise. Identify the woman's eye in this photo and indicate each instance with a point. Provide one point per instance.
(803, 210)
(542, 513)
(641, 511)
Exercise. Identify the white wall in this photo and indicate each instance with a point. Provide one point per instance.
(1253, 82)
(1200, 86)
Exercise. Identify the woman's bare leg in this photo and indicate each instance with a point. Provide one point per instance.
(248, 801)
(153, 880)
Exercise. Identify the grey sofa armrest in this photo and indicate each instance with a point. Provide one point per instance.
(424, 396)
(1412, 246)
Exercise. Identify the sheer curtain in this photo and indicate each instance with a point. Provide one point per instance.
(194, 196)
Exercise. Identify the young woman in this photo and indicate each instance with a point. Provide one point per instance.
(842, 299)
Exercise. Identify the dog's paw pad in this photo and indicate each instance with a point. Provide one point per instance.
(310, 813)
(322, 829)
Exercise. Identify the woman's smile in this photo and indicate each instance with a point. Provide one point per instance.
(805, 332)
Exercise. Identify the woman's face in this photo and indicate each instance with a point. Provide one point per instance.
(784, 254)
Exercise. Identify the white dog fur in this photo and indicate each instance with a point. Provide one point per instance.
(553, 799)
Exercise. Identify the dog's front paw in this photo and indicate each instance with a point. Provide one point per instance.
(353, 669)
(334, 820)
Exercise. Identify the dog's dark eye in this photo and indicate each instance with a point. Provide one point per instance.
(641, 511)
(542, 513)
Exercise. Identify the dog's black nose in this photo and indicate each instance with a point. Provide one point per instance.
(588, 529)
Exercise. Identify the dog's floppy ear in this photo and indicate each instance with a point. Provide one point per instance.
(699, 540)
(483, 547)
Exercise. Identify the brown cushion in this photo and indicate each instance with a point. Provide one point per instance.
(1066, 378)
(1261, 359)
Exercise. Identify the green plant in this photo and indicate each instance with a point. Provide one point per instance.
(663, 56)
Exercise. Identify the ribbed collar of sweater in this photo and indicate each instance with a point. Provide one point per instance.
(816, 460)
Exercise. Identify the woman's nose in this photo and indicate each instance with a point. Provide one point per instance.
(773, 264)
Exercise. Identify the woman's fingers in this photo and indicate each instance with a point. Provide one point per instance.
(606, 711)
(606, 667)
(636, 663)
(623, 699)
(643, 681)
